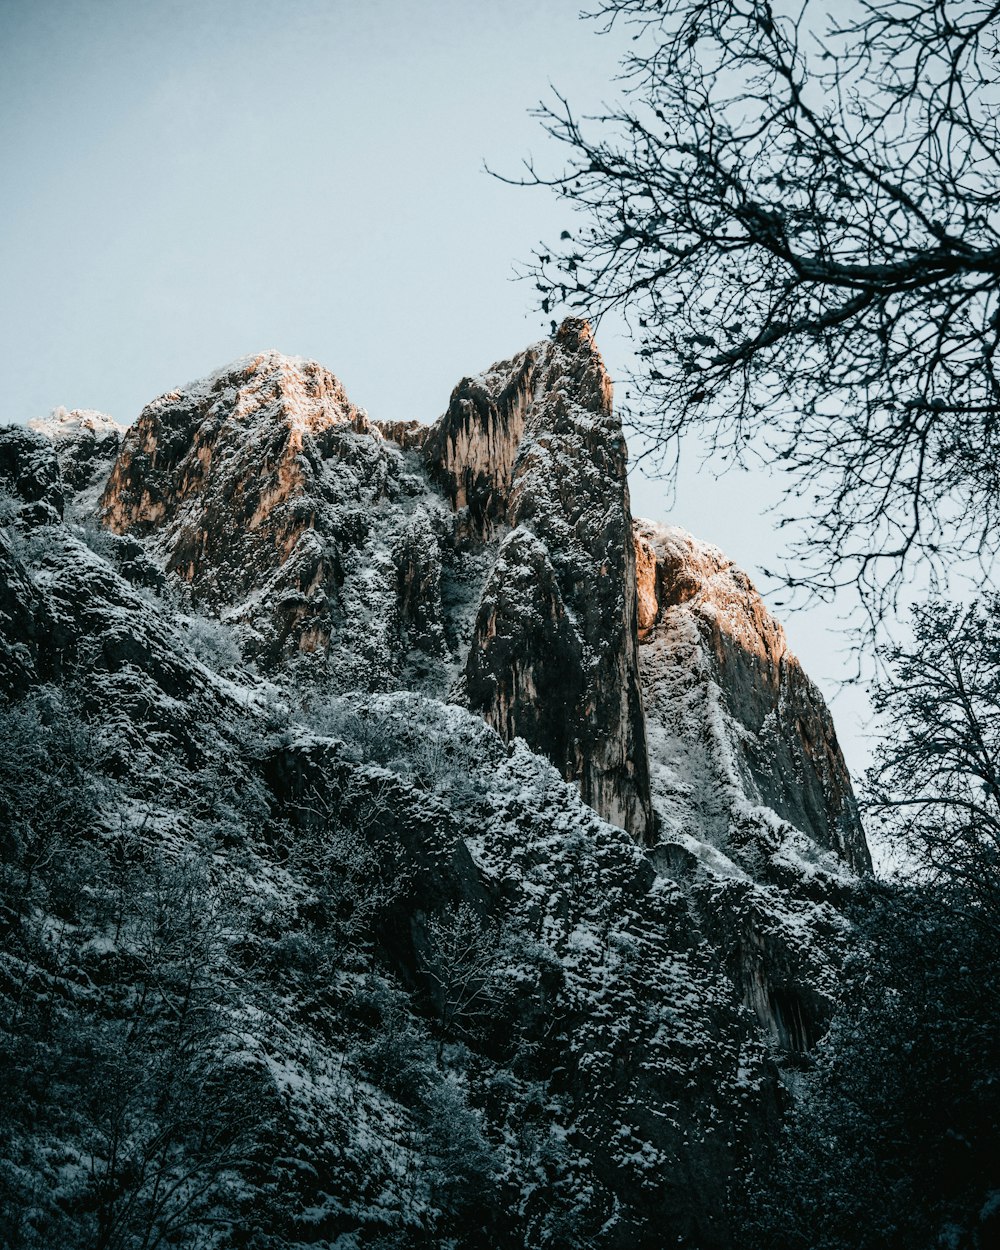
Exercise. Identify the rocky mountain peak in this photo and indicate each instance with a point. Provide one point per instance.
(297, 392)
(471, 451)
(674, 568)
(353, 666)
(389, 549)
(490, 558)
(255, 414)
(86, 443)
(62, 425)
(771, 737)
(222, 471)
(562, 641)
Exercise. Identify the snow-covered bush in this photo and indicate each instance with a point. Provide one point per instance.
(51, 795)
(100, 541)
(433, 757)
(213, 642)
(9, 507)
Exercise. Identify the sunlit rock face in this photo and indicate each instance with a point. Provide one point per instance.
(222, 469)
(736, 721)
(281, 505)
(471, 451)
(399, 553)
(553, 657)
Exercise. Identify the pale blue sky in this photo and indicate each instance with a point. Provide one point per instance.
(186, 182)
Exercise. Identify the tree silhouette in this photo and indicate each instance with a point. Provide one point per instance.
(800, 217)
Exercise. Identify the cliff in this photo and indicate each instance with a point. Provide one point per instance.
(371, 971)
(284, 508)
(736, 721)
(435, 853)
(490, 559)
(553, 655)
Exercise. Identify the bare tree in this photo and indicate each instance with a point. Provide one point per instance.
(936, 782)
(355, 871)
(799, 215)
(462, 965)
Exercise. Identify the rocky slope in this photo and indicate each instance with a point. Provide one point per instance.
(350, 713)
(359, 971)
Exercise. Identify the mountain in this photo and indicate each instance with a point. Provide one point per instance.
(403, 845)
(285, 507)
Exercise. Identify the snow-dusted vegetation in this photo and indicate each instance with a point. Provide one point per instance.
(267, 981)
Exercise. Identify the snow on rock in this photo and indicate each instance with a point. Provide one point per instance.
(282, 507)
(365, 548)
(463, 999)
(30, 477)
(554, 656)
(752, 793)
(735, 719)
(86, 444)
(491, 558)
(24, 622)
(606, 954)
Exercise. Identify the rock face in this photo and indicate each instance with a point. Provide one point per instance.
(327, 895)
(734, 721)
(456, 1003)
(260, 486)
(282, 506)
(29, 474)
(553, 656)
(23, 623)
(86, 444)
(31, 495)
(752, 795)
(472, 449)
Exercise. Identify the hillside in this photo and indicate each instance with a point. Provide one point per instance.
(402, 844)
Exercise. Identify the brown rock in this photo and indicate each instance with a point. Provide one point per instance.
(263, 486)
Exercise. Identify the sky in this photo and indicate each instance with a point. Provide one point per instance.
(188, 182)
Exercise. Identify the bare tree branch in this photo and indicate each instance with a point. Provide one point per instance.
(800, 216)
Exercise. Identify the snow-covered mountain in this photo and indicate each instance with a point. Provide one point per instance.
(524, 838)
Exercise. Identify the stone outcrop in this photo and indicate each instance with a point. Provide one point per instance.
(735, 719)
(553, 656)
(751, 791)
(472, 449)
(283, 507)
(86, 444)
(24, 623)
(220, 470)
(489, 557)
(280, 505)
(30, 479)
